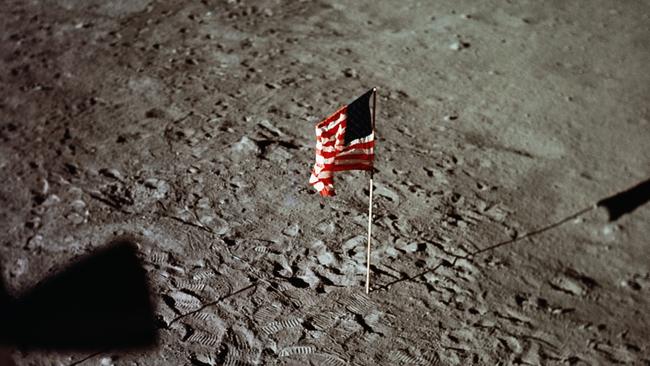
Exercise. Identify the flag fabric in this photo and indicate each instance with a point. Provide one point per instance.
(344, 141)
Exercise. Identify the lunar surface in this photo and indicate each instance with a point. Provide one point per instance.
(189, 126)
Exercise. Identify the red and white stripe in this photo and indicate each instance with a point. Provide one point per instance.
(333, 156)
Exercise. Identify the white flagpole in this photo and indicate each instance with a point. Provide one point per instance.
(374, 106)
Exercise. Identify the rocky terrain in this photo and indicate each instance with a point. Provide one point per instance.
(189, 125)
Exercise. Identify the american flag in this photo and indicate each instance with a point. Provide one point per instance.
(344, 141)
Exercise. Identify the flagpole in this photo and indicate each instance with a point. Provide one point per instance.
(374, 106)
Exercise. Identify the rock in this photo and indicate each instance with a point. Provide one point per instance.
(326, 258)
(35, 241)
(78, 205)
(569, 285)
(20, 266)
(218, 225)
(75, 218)
(269, 126)
(384, 191)
(151, 183)
(278, 154)
(203, 202)
(458, 45)
(350, 73)
(450, 117)
(46, 186)
(292, 230)
(111, 173)
(106, 361)
(455, 46)
(245, 146)
(326, 227)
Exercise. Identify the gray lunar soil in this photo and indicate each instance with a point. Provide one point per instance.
(189, 125)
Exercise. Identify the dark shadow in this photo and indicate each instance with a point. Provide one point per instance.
(616, 206)
(100, 302)
(443, 263)
(534, 232)
(626, 201)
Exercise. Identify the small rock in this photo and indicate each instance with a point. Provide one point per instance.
(203, 202)
(78, 205)
(631, 284)
(46, 186)
(458, 45)
(33, 223)
(51, 200)
(278, 154)
(455, 46)
(188, 132)
(151, 183)
(218, 225)
(326, 259)
(19, 267)
(381, 190)
(245, 146)
(106, 361)
(326, 227)
(292, 230)
(569, 285)
(75, 218)
(111, 173)
(609, 229)
(269, 126)
(35, 241)
(351, 73)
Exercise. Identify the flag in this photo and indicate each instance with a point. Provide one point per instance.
(344, 141)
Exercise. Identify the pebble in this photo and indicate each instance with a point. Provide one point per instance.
(35, 241)
(51, 200)
(112, 173)
(106, 361)
(246, 146)
(350, 72)
(75, 218)
(78, 205)
(278, 154)
(609, 229)
(46, 186)
(151, 183)
(188, 132)
(458, 45)
(33, 223)
(292, 230)
(19, 268)
(269, 126)
(203, 202)
(569, 285)
(218, 225)
(326, 258)
(326, 227)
